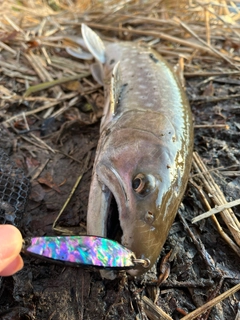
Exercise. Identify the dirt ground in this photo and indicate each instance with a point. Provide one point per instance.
(202, 265)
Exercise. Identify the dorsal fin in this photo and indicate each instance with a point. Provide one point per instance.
(93, 43)
(115, 87)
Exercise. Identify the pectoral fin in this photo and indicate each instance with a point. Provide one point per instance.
(93, 43)
(97, 72)
(79, 53)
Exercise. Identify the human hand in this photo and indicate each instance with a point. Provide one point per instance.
(10, 246)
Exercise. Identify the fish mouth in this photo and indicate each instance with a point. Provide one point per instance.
(107, 203)
(116, 203)
(113, 226)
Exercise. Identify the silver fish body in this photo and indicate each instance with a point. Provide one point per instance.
(143, 156)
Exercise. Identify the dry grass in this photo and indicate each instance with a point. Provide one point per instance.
(201, 36)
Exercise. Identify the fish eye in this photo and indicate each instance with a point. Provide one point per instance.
(143, 184)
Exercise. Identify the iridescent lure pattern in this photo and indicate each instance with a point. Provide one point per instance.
(82, 250)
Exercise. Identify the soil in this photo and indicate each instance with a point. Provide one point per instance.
(199, 270)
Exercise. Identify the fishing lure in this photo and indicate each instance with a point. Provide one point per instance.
(85, 251)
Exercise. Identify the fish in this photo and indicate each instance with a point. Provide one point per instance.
(144, 153)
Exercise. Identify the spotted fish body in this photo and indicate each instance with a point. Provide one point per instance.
(143, 157)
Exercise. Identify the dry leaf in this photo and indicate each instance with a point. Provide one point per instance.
(47, 180)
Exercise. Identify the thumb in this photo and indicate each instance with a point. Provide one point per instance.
(10, 245)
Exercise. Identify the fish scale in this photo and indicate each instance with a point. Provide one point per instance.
(141, 82)
(144, 152)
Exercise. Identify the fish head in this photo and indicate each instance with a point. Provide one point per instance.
(130, 194)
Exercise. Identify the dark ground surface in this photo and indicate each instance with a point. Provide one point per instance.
(47, 291)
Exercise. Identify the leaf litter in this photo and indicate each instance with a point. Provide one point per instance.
(50, 108)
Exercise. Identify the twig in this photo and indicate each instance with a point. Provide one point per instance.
(7, 48)
(17, 28)
(39, 170)
(25, 121)
(186, 27)
(42, 72)
(216, 210)
(229, 241)
(37, 66)
(219, 18)
(47, 106)
(156, 34)
(201, 283)
(211, 303)
(208, 32)
(153, 311)
(231, 173)
(218, 197)
(205, 99)
(41, 142)
(155, 21)
(214, 126)
(49, 84)
(210, 74)
(199, 245)
(212, 295)
(13, 97)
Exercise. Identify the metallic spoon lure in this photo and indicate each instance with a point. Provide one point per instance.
(88, 251)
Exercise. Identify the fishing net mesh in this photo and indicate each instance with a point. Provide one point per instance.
(14, 190)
